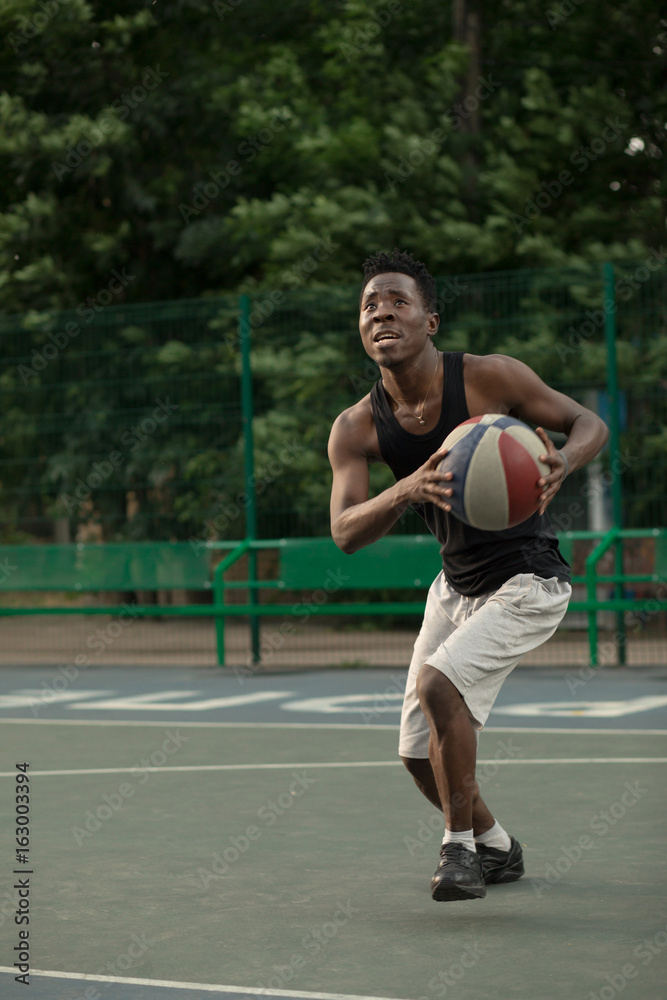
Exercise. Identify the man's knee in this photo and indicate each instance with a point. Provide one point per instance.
(418, 767)
(428, 684)
(436, 693)
(421, 772)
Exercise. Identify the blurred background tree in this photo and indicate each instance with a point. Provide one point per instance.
(369, 122)
(188, 149)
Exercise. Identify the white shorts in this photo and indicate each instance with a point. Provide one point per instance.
(476, 642)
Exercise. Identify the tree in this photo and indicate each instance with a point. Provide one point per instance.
(481, 137)
(182, 150)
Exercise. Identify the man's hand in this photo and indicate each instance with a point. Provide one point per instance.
(427, 484)
(552, 482)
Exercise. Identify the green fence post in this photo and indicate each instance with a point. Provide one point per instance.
(592, 560)
(219, 593)
(249, 455)
(614, 444)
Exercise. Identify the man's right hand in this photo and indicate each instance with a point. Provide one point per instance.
(427, 484)
(356, 520)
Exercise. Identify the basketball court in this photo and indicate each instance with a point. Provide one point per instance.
(195, 833)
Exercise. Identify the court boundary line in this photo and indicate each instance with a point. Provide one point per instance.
(313, 766)
(203, 987)
(220, 724)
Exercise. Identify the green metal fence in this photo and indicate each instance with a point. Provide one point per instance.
(300, 581)
(207, 420)
(128, 422)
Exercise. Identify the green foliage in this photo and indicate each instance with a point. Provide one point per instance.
(183, 150)
(119, 134)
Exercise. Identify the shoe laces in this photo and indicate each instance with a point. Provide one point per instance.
(454, 851)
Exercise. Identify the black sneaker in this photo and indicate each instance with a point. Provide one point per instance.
(501, 866)
(458, 875)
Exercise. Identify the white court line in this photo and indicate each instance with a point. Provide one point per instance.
(324, 764)
(203, 725)
(207, 767)
(320, 725)
(575, 731)
(204, 987)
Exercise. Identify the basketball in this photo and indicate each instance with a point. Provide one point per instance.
(495, 465)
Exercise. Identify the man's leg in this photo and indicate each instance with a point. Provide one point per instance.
(445, 611)
(422, 773)
(473, 662)
(452, 747)
(452, 753)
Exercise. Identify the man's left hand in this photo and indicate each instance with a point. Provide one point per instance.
(552, 482)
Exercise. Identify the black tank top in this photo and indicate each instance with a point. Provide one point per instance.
(474, 561)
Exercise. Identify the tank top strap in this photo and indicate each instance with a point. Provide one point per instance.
(454, 403)
(404, 451)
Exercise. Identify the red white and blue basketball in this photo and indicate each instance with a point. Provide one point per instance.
(495, 463)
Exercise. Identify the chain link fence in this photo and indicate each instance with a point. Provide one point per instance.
(128, 422)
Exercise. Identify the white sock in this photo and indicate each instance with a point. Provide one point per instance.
(460, 837)
(495, 837)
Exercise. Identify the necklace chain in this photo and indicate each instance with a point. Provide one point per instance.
(397, 399)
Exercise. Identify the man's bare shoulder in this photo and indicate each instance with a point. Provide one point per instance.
(482, 365)
(356, 416)
(354, 429)
(494, 383)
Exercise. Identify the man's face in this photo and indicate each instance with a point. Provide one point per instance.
(393, 321)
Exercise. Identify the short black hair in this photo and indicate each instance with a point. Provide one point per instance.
(404, 263)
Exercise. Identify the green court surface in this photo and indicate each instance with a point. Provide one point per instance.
(296, 860)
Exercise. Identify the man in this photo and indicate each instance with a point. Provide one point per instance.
(500, 594)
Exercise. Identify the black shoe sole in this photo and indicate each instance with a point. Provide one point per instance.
(507, 876)
(447, 891)
(497, 873)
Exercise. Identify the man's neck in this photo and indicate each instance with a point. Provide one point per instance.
(414, 382)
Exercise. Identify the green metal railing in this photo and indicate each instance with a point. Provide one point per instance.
(592, 606)
(220, 610)
(619, 579)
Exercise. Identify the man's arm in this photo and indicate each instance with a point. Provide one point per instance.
(530, 399)
(357, 521)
